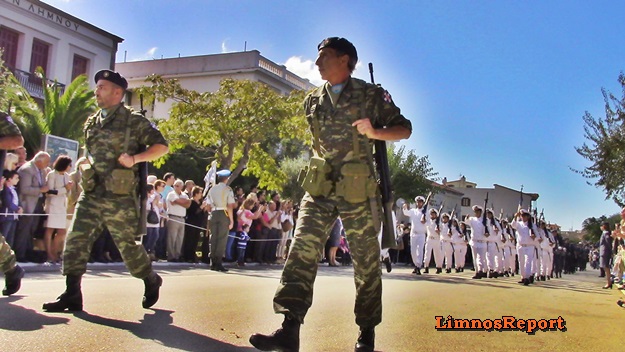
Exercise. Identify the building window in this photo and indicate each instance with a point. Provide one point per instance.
(79, 66)
(8, 41)
(469, 186)
(39, 56)
(465, 202)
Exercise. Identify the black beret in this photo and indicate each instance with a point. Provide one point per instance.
(111, 76)
(339, 44)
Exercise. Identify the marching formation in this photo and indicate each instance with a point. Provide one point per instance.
(498, 246)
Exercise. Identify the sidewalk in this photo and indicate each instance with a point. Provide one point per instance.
(158, 265)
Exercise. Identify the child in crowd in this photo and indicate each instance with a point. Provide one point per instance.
(10, 205)
(242, 238)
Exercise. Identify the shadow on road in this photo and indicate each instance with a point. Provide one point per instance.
(18, 318)
(158, 327)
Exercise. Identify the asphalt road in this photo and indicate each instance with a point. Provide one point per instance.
(201, 310)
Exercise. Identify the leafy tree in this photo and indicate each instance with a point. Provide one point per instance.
(291, 167)
(232, 123)
(62, 115)
(14, 99)
(411, 175)
(592, 228)
(605, 147)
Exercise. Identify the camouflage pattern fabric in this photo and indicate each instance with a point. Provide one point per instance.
(97, 208)
(317, 214)
(7, 257)
(119, 215)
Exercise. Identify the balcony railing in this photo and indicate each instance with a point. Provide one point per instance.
(32, 83)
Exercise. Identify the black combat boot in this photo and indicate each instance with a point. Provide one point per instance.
(153, 283)
(285, 339)
(70, 300)
(366, 340)
(13, 280)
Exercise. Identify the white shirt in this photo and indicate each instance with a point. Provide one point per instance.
(477, 228)
(444, 236)
(416, 227)
(433, 235)
(176, 209)
(523, 233)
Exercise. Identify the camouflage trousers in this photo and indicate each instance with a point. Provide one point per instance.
(118, 214)
(7, 257)
(316, 218)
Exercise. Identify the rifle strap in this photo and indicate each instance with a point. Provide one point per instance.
(315, 131)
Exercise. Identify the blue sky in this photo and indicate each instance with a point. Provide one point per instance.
(496, 90)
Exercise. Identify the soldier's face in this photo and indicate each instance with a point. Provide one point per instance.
(107, 94)
(332, 68)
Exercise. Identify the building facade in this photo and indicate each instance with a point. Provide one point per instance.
(34, 34)
(204, 73)
(501, 199)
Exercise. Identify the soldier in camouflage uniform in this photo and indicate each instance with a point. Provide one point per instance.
(113, 136)
(341, 114)
(10, 138)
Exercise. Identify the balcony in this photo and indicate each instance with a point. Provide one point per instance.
(33, 84)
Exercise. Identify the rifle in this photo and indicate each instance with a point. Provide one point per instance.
(143, 180)
(486, 233)
(425, 206)
(381, 163)
(451, 220)
(438, 217)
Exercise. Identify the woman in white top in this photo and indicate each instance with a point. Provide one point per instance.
(59, 183)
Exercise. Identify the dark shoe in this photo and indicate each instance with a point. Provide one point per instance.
(521, 282)
(476, 276)
(221, 268)
(70, 300)
(152, 286)
(621, 303)
(285, 339)
(531, 279)
(526, 282)
(457, 270)
(13, 281)
(439, 270)
(418, 271)
(387, 263)
(366, 340)
(426, 270)
(414, 271)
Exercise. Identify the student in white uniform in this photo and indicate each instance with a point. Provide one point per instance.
(478, 241)
(459, 242)
(525, 235)
(417, 232)
(446, 237)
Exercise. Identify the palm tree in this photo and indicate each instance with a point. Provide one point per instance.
(62, 115)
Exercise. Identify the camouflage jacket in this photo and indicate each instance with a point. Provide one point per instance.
(104, 137)
(335, 122)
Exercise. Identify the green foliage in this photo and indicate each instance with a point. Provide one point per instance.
(592, 226)
(62, 115)
(234, 123)
(411, 175)
(291, 167)
(605, 147)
